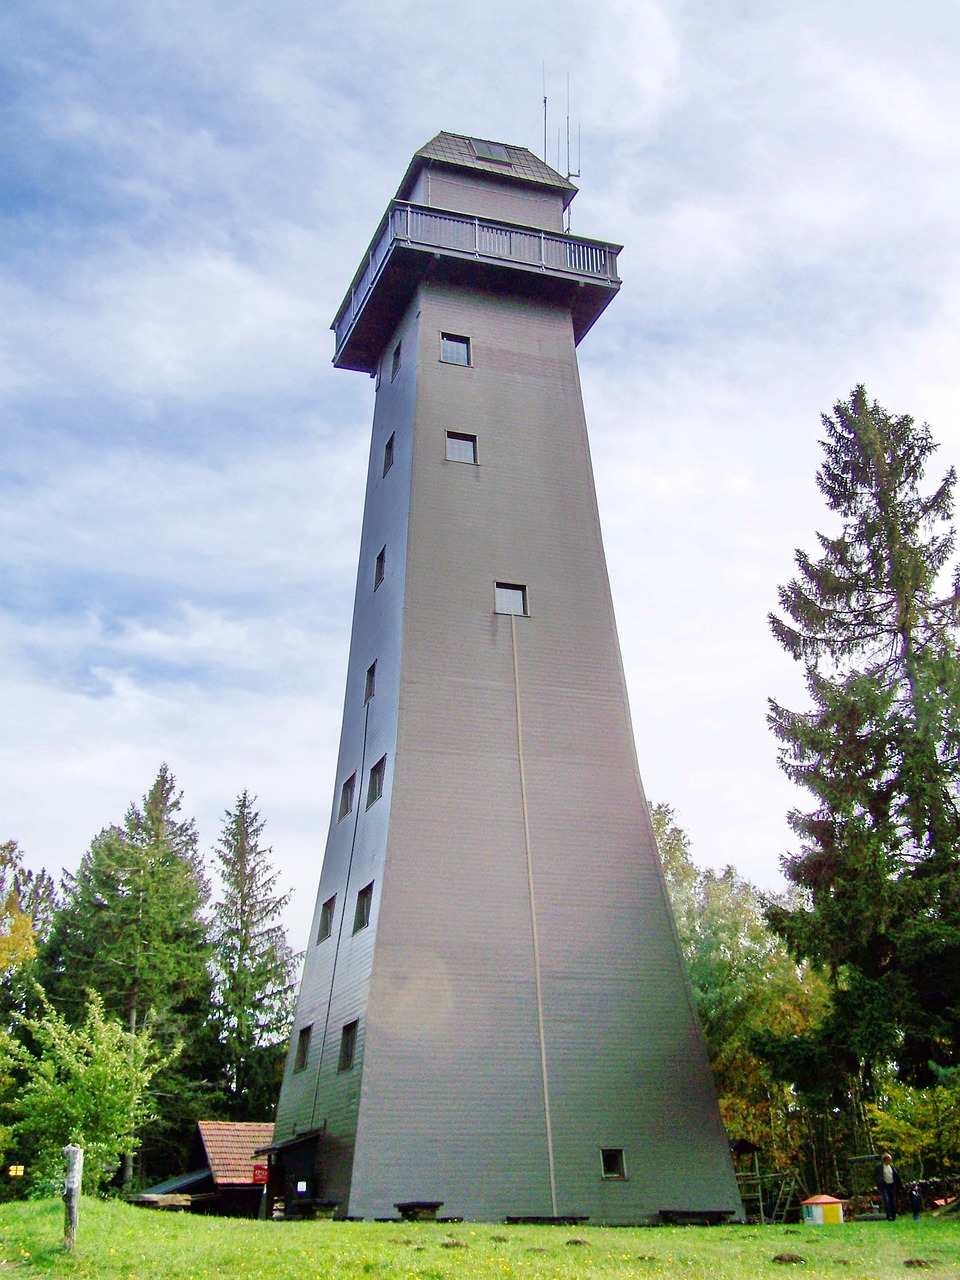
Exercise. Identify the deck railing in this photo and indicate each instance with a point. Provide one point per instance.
(481, 239)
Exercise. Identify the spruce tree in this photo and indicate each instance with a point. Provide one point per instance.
(129, 925)
(130, 928)
(253, 965)
(874, 623)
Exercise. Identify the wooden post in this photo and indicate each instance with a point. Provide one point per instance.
(73, 1177)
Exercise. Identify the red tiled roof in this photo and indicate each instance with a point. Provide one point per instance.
(230, 1146)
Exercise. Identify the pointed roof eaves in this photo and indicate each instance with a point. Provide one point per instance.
(455, 151)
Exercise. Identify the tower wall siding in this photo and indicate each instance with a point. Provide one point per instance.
(519, 991)
(333, 988)
(485, 197)
(452, 1024)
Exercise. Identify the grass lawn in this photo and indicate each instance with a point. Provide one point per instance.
(118, 1242)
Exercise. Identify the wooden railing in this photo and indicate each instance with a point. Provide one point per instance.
(477, 238)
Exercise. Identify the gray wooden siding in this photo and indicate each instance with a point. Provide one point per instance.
(333, 988)
(484, 798)
(485, 197)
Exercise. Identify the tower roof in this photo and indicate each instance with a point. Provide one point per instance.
(510, 163)
(456, 243)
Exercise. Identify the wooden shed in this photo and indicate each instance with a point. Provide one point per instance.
(225, 1176)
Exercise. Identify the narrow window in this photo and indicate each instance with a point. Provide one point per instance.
(370, 687)
(378, 568)
(361, 917)
(326, 919)
(454, 349)
(395, 366)
(346, 796)
(375, 785)
(388, 453)
(511, 598)
(611, 1161)
(348, 1044)
(303, 1048)
(461, 448)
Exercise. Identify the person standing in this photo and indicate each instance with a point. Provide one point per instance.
(916, 1200)
(888, 1184)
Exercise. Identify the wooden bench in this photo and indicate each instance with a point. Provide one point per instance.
(418, 1210)
(695, 1217)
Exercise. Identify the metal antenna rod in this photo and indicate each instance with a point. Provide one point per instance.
(570, 173)
(568, 124)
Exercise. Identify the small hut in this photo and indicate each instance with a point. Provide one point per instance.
(225, 1176)
(822, 1211)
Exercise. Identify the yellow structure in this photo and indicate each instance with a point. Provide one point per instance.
(823, 1211)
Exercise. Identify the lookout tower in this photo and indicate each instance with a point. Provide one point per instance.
(493, 1012)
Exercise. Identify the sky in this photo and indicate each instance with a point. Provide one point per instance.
(186, 189)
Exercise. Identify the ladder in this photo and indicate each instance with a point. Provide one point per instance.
(785, 1191)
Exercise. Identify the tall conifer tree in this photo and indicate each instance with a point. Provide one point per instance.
(253, 965)
(875, 627)
(130, 927)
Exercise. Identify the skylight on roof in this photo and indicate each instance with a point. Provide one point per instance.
(490, 150)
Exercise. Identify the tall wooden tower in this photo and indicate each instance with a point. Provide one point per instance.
(493, 1012)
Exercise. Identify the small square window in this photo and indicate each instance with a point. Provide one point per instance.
(379, 567)
(510, 597)
(395, 364)
(611, 1162)
(361, 917)
(346, 796)
(461, 448)
(370, 685)
(388, 453)
(348, 1046)
(454, 349)
(375, 785)
(303, 1048)
(326, 919)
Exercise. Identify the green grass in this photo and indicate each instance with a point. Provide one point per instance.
(117, 1242)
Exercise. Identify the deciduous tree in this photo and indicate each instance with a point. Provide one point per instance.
(745, 984)
(27, 899)
(85, 1083)
(921, 1125)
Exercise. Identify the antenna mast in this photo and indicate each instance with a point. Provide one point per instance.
(570, 173)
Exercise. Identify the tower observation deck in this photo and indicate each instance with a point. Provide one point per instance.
(493, 1013)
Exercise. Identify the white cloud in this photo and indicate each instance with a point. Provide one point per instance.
(72, 763)
(224, 526)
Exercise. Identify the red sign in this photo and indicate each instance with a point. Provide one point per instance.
(260, 1173)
